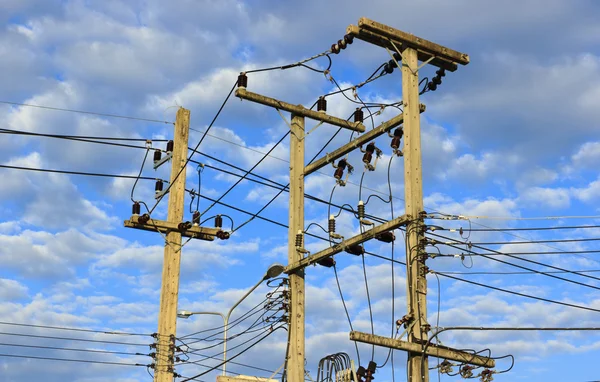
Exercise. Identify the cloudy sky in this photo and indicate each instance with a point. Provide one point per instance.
(514, 135)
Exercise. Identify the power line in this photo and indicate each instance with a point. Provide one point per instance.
(74, 329)
(71, 349)
(537, 241)
(84, 112)
(527, 218)
(517, 229)
(522, 259)
(518, 273)
(96, 140)
(519, 294)
(104, 175)
(71, 339)
(71, 360)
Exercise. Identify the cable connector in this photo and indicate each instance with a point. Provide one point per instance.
(369, 151)
(487, 375)
(466, 371)
(339, 172)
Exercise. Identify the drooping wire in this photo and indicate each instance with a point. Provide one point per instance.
(74, 329)
(139, 175)
(199, 169)
(71, 360)
(246, 174)
(84, 112)
(235, 356)
(197, 146)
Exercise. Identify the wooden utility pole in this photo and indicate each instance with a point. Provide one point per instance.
(416, 291)
(167, 316)
(296, 356)
(295, 363)
(173, 229)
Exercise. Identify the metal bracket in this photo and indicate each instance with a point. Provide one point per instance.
(414, 72)
(292, 130)
(160, 162)
(160, 194)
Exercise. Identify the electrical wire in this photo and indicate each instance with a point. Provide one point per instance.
(104, 175)
(84, 112)
(246, 174)
(73, 329)
(521, 229)
(520, 294)
(71, 360)
(72, 349)
(525, 260)
(235, 356)
(72, 339)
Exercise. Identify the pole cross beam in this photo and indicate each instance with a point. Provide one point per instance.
(299, 110)
(163, 226)
(361, 140)
(358, 239)
(428, 349)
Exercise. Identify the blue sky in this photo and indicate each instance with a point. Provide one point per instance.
(513, 135)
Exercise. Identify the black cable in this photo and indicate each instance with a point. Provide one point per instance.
(71, 360)
(285, 188)
(79, 138)
(520, 294)
(230, 324)
(73, 329)
(537, 241)
(76, 172)
(71, 339)
(139, 174)
(337, 280)
(84, 112)
(369, 304)
(71, 349)
(246, 174)
(521, 229)
(518, 273)
(197, 146)
(235, 356)
(526, 260)
(299, 63)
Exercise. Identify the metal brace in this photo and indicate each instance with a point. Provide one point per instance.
(292, 130)
(414, 72)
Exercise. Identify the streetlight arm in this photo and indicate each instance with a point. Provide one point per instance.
(244, 297)
(212, 313)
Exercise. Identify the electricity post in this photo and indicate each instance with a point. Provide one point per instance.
(296, 251)
(295, 364)
(408, 51)
(173, 229)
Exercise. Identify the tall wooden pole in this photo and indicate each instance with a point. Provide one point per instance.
(167, 317)
(413, 194)
(295, 364)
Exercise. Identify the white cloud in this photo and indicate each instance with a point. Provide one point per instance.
(556, 198)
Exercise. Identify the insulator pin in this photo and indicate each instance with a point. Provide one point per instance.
(355, 249)
(170, 146)
(299, 238)
(322, 104)
(242, 80)
(135, 209)
(218, 221)
(361, 210)
(158, 187)
(196, 218)
(156, 155)
(331, 224)
(184, 226)
(144, 219)
(359, 115)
